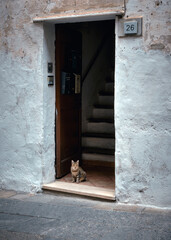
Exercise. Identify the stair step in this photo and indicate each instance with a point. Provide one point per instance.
(79, 189)
(100, 127)
(103, 113)
(98, 135)
(103, 106)
(98, 150)
(107, 143)
(106, 99)
(100, 120)
(98, 157)
(106, 93)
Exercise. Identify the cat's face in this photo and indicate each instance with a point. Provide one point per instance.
(75, 165)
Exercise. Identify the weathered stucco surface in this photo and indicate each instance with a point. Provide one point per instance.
(143, 107)
(51, 7)
(27, 103)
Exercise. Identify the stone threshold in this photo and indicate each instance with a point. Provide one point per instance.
(82, 190)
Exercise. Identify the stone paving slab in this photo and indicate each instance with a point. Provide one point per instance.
(48, 217)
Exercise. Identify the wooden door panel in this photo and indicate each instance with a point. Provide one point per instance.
(68, 104)
(69, 132)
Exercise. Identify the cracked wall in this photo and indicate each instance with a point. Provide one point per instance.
(143, 107)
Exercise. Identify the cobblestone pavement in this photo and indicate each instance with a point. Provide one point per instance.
(59, 217)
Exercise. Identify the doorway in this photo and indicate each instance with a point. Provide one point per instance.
(85, 102)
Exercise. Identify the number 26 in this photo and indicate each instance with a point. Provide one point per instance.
(130, 28)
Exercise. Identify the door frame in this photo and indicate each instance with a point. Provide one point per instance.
(57, 92)
(74, 18)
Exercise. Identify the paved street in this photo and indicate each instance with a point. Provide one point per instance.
(59, 217)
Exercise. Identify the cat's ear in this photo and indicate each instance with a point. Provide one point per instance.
(78, 162)
(72, 161)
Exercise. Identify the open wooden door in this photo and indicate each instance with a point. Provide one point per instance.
(68, 98)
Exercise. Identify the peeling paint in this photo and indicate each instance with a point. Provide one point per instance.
(156, 46)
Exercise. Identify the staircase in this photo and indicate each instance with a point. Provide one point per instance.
(98, 144)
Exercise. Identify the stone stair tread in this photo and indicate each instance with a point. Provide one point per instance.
(98, 120)
(98, 150)
(99, 146)
(98, 135)
(101, 106)
(98, 157)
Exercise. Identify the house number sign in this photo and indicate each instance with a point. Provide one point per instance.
(130, 27)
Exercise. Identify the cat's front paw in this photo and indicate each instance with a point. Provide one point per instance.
(73, 180)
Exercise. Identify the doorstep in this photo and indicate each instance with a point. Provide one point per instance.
(83, 190)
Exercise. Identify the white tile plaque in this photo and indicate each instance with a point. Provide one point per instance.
(130, 27)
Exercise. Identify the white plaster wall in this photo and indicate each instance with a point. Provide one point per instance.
(48, 166)
(143, 107)
(26, 134)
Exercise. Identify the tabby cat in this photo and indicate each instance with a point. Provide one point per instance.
(78, 174)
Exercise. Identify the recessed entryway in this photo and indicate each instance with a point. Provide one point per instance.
(100, 184)
(85, 106)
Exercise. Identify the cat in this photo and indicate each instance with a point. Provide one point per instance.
(78, 174)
